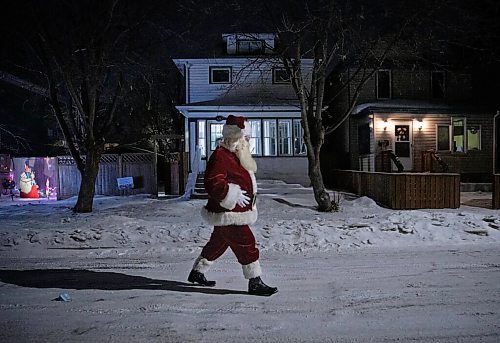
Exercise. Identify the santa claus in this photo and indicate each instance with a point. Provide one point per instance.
(232, 190)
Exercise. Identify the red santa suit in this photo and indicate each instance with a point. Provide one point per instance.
(225, 180)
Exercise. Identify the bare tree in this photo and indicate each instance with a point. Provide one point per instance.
(89, 56)
(337, 35)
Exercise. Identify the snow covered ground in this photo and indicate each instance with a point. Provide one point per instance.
(364, 274)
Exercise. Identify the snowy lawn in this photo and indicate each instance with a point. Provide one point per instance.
(363, 274)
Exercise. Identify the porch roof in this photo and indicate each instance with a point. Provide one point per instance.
(408, 106)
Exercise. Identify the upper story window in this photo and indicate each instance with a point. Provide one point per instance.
(437, 84)
(280, 76)
(249, 47)
(383, 84)
(220, 75)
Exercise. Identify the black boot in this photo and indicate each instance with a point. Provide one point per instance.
(257, 287)
(199, 278)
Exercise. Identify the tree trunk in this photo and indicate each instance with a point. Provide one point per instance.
(87, 186)
(320, 194)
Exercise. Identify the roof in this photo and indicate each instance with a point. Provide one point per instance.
(413, 106)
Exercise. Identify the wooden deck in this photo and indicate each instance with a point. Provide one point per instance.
(403, 190)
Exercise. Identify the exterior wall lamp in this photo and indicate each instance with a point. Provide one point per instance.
(384, 125)
(420, 125)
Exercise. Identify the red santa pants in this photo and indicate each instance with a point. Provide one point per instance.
(238, 237)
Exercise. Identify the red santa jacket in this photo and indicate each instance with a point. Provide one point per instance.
(224, 179)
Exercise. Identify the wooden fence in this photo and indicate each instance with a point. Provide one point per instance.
(496, 191)
(139, 166)
(402, 190)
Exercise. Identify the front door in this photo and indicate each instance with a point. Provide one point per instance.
(402, 144)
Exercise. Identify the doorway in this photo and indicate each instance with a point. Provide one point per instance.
(402, 144)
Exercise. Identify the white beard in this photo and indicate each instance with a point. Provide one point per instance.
(242, 150)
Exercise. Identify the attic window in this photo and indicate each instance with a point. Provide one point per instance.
(280, 76)
(220, 74)
(249, 47)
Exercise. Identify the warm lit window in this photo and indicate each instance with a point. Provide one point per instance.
(473, 137)
(250, 47)
(383, 84)
(269, 137)
(458, 130)
(255, 137)
(437, 84)
(280, 76)
(220, 74)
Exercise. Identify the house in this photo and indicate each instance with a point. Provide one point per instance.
(247, 79)
(422, 116)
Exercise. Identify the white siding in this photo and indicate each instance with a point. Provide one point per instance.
(251, 78)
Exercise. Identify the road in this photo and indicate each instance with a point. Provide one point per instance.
(411, 294)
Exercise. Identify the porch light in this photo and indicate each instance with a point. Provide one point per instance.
(420, 125)
(384, 125)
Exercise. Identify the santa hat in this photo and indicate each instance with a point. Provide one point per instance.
(234, 128)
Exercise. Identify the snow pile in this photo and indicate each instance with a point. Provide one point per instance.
(287, 223)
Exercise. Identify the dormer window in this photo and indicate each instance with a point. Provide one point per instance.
(220, 75)
(249, 47)
(280, 76)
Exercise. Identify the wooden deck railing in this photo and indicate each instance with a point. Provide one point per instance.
(402, 190)
(496, 191)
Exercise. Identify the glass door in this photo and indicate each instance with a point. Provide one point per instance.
(402, 144)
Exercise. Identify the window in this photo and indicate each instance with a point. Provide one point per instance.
(299, 147)
(443, 137)
(383, 84)
(473, 137)
(250, 47)
(215, 135)
(280, 76)
(202, 138)
(255, 137)
(220, 74)
(285, 137)
(269, 137)
(437, 84)
(458, 130)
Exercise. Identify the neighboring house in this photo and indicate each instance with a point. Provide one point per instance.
(248, 80)
(416, 114)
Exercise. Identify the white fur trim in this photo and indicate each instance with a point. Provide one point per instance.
(229, 218)
(231, 131)
(232, 196)
(201, 264)
(252, 270)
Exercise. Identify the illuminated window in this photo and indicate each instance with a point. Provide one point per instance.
(269, 137)
(202, 138)
(215, 135)
(285, 137)
(299, 147)
(255, 137)
(220, 74)
(473, 137)
(458, 129)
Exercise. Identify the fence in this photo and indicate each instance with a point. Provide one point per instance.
(402, 190)
(496, 191)
(139, 166)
